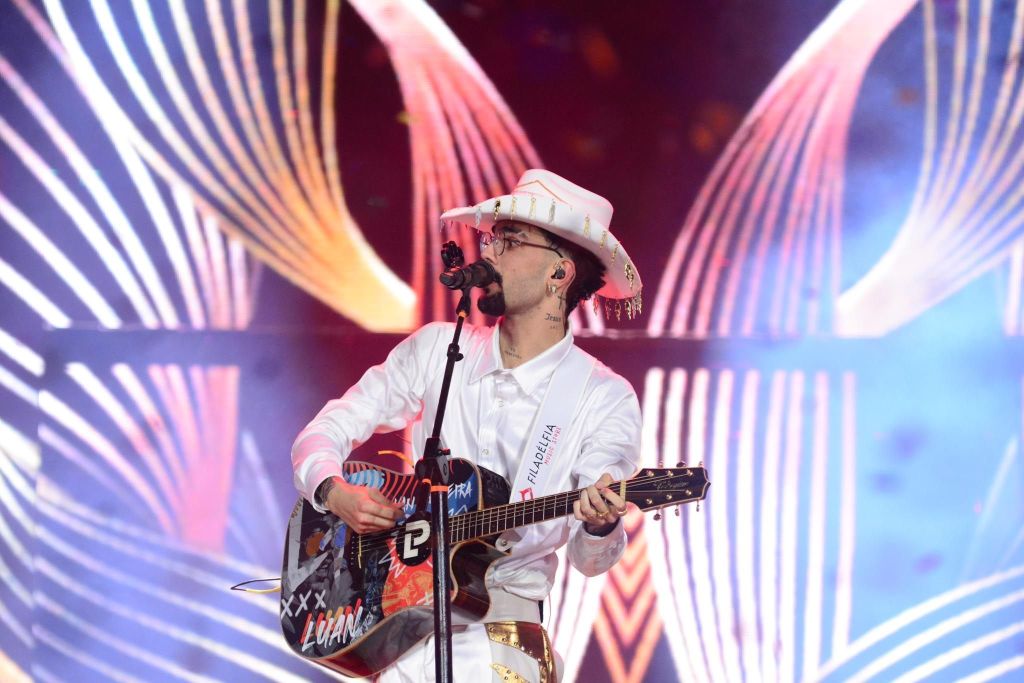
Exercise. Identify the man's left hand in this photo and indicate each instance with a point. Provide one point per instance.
(599, 507)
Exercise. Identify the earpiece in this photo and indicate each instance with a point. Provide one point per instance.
(559, 273)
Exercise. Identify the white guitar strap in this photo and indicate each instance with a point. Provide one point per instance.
(540, 463)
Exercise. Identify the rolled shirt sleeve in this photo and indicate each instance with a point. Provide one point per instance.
(613, 446)
(387, 398)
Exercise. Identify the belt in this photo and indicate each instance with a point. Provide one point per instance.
(505, 607)
(532, 640)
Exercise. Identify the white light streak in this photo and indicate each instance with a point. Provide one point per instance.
(958, 653)
(124, 647)
(64, 415)
(908, 616)
(789, 524)
(17, 387)
(816, 517)
(64, 510)
(269, 506)
(997, 670)
(108, 205)
(669, 554)
(23, 451)
(83, 221)
(746, 465)
(155, 594)
(69, 650)
(152, 416)
(768, 572)
(21, 354)
(32, 296)
(700, 564)
(931, 635)
(719, 514)
(98, 391)
(89, 466)
(988, 509)
(161, 559)
(847, 517)
(218, 265)
(14, 547)
(24, 635)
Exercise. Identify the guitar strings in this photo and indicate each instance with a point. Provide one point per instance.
(492, 516)
(488, 517)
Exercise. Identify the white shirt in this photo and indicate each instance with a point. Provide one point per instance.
(488, 418)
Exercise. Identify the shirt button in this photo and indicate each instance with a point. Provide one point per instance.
(501, 402)
(486, 452)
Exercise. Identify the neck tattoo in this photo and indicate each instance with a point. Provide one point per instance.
(511, 353)
(552, 318)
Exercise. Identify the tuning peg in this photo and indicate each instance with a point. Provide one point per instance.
(657, 516)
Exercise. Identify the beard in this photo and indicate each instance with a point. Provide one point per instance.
(492, 304)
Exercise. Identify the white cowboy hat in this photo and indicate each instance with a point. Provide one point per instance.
(571, 212)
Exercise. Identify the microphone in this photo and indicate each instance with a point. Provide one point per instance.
(478, 274)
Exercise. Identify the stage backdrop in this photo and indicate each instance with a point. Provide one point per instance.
(214, 215)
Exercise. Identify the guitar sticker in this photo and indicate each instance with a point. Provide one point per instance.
(416, 534)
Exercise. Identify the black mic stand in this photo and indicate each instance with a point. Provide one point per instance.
(435, 468)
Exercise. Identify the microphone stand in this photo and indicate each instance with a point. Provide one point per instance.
(434, 467)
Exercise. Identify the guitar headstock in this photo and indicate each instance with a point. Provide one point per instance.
(654, 488)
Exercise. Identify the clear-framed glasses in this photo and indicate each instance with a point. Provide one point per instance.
(501, 243)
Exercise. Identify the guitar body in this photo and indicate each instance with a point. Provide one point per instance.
(357, 603)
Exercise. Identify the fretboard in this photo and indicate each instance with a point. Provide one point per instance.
(499, 518)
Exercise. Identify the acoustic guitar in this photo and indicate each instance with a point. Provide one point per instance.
(357, 602)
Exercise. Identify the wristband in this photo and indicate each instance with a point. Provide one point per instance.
(602, 530)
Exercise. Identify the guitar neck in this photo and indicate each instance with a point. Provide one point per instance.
(499, 518)
(649, 489)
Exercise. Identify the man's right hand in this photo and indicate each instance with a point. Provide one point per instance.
(362, 508)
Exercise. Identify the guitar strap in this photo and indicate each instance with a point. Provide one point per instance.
(539, 464)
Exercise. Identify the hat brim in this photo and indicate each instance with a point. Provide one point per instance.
(622, 281)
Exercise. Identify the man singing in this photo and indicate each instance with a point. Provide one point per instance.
(525, 403)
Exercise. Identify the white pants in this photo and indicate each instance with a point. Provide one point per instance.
(473, 653)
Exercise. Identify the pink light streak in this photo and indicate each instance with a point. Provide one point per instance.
(798, 126)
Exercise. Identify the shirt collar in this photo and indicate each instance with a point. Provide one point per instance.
(531, 373)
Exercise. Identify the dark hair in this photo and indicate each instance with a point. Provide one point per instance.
(589, 271)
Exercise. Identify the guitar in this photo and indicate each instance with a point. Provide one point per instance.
(355, 602)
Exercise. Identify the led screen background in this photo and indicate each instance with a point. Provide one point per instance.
(215, 215)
